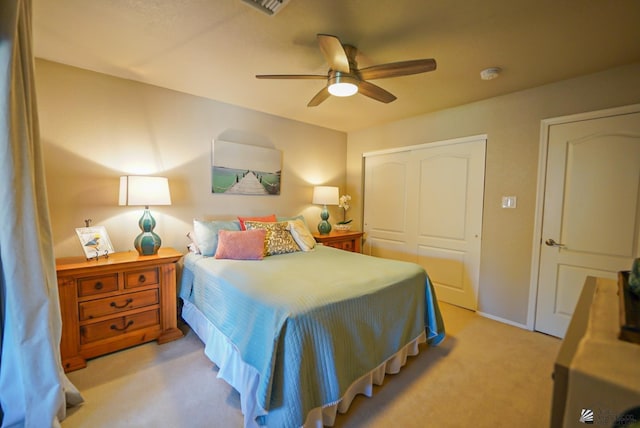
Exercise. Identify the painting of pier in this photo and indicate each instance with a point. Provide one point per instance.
(244, 169)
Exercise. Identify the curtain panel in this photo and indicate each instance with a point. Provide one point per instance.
(34, 391)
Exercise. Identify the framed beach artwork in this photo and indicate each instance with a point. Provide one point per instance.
(95, 241)
(241, 169)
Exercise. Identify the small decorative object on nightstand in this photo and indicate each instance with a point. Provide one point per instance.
(115, 303)
(94, 240)
(348, 241)
(344, 224)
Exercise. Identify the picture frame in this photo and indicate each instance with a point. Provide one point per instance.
(242, 169)
(95, 241)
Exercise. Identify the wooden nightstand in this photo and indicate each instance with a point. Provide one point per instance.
(348, 241)
(115, 303)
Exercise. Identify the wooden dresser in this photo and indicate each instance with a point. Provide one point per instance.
(115, 303)
(348, 241)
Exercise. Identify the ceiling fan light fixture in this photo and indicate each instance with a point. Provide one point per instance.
(343, 89)
(342, 85)
(344, 78)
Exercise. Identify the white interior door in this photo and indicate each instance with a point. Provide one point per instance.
(389, 206)
(424, 204)
(450, 197)
(591, 214)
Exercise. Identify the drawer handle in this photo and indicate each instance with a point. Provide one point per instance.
(98, 285)
(115, 305)
(141, 279)
(115, 327)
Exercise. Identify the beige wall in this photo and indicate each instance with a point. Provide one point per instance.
(512, 123)
(95, 128)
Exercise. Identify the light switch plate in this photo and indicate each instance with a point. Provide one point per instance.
(509, 201)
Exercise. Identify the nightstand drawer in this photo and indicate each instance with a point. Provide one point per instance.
(115, 304)
(97, 285)
(140, 278)
(344, 245)
(117, 326)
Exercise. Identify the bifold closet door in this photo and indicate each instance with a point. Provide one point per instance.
(425, 205)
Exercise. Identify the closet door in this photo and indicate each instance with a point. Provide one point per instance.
(450, 197)
(390, 207)
(424, 204)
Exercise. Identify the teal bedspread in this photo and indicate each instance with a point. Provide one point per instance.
(311, 323)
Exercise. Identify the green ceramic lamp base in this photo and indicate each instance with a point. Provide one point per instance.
(147, 243)
(324, 227)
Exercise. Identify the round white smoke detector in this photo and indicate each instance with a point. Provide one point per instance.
(490, 73)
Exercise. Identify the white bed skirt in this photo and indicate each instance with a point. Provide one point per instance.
(244, 378)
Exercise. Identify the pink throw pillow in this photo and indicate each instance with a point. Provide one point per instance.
(241, 245)
(267, 218)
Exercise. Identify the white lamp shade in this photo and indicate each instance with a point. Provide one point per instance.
(140, 190)
(325, 195)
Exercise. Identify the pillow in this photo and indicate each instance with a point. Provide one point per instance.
(241, 244)
(295, 217)
(207, 234)
(301, 235)
(266, 218)
(193, 243)
(278, 239)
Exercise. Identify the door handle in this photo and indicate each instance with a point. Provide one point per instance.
(552, 243)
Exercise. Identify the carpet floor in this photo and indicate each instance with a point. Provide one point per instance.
(485, 374)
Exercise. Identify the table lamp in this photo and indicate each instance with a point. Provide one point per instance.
(140, 190)
(325, 195)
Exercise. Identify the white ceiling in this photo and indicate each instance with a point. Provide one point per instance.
(214, 48)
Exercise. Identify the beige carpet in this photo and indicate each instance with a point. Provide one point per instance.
(485, 374)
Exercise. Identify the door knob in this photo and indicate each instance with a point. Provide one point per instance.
(552, 243)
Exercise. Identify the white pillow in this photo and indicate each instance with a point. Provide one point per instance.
(301, 235)
(193, 243)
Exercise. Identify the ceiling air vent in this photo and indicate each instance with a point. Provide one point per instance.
(270, 7)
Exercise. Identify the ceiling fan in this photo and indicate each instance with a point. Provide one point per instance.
(345, 79)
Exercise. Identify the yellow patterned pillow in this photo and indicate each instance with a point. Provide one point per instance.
(278, 239)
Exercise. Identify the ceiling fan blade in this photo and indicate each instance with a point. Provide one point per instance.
(333, 52)
(319, 97)
(376, 92)
(394, 69)
(291, 76)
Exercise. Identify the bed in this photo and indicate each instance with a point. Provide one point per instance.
(299, 334)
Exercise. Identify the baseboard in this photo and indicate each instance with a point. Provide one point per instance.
(504, 320)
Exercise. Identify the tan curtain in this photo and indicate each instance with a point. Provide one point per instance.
(34, 390)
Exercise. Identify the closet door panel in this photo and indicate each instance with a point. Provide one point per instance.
(389, 210)
(424, 204)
